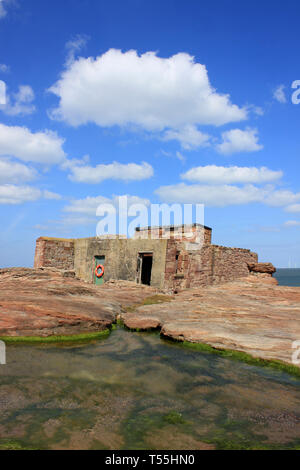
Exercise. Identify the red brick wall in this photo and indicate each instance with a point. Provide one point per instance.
(54, 253)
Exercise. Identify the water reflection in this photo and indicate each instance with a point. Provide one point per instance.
(134, 391)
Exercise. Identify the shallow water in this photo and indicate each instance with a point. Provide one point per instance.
(135, 391)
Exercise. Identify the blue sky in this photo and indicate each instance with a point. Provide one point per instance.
(171, 101)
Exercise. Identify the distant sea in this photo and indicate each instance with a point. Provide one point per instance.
(288, 277)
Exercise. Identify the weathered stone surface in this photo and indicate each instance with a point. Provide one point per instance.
(266, 268)
(253, 315)
(141, 322)
(45, 302)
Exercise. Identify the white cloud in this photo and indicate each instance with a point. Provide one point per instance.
(12, 194)
(221, 195)
(282, 197)
(75, 45)
(12, 172)
(152, 93)
(189, 137)
(115, 171)
(69, 164)
(88, 206)
(39, 147)
(177, 155)
(210, 195)
(51, 195)
(233, 174)
(292, 223)
(3, 11)
(293, 207)
(279, 94)
(20, 103)
(4, 68)
(237, 141)
(180, 157)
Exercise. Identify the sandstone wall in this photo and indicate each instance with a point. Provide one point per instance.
(230, 263)
(176, 264)
(209, 265)
(54, 253)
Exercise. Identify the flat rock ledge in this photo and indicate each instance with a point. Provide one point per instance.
(49, 302)
(253, 315)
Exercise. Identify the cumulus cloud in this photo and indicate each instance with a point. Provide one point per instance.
(233, 174)
(40, 147)
(20, 103)
(189, 137)
(221, 195)
(115, 171)
(89, 205)
(210, 195)
(237, 141)
(279, 94)
(144, 91)
(12, 194)
(12, 172)
(294, 207)
(282, 197)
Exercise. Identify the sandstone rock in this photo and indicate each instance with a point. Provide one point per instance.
(252, 315)
(267, 268)
(142, 323)
(48, 301)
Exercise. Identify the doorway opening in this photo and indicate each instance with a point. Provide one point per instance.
(145, 263)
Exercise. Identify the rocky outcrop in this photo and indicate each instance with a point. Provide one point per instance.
(47, 302)
(253, 315)
(264, 268)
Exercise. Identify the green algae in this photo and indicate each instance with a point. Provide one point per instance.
(6, 444)
(174, 418)
(84, 337)
(242, 357)
(200, 347)
(137, 392)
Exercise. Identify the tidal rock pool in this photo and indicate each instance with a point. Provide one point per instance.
(135, 391)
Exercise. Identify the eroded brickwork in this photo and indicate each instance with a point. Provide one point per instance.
(210, 264)
(54, 253)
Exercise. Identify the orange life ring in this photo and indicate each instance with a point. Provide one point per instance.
(97, 274)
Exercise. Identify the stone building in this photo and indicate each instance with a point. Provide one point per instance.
(169, 258)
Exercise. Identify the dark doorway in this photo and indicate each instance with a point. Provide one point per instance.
(146, 261)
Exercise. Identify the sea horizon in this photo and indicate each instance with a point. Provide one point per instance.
(288, 276)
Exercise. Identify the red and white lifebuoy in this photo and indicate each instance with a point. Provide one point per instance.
(97, 274)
